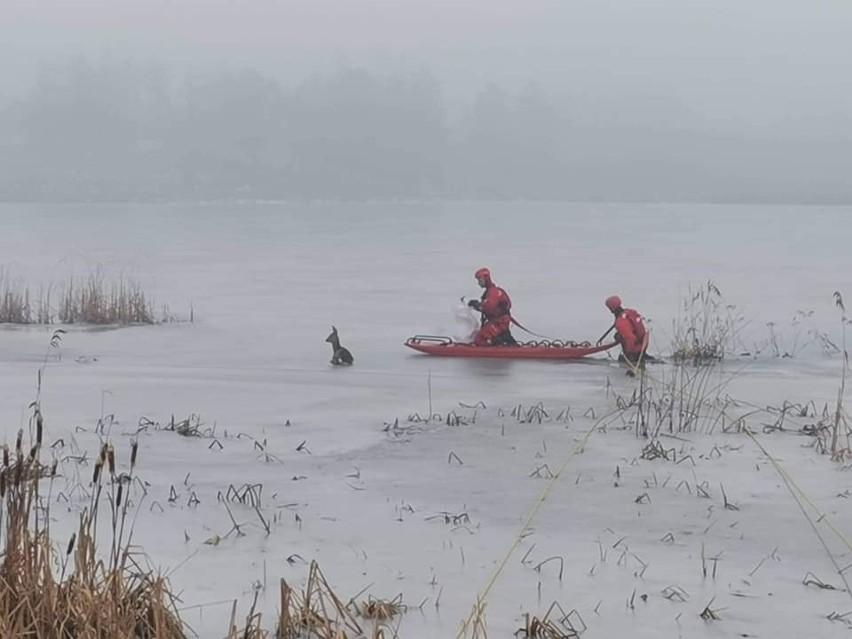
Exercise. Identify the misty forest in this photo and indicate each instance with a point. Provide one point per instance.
(92, 129)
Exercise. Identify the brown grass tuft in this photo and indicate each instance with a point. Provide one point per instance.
(90, 597)
(705, 328)
(315, 612)
(381, 609)
(93, 300)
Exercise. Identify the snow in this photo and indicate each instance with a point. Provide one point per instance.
(354, 479)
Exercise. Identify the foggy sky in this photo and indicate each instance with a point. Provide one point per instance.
(691, 82)
(750, 61)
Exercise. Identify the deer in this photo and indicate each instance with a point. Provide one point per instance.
(340, 356)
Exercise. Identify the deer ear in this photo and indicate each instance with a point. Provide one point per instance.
(333, 329)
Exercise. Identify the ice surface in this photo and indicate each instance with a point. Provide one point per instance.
(266, 281)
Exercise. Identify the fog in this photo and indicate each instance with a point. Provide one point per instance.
(689, 100)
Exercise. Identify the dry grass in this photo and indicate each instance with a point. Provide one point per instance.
(19, 306)
(381, 609)
(253, 628)
(839, 416)
(90, 597)
(316, 612)
(706, 328)
(683, 399)
(555, 624)
(94, 300)
(833, 430)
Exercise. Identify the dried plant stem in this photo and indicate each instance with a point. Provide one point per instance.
(89, 597)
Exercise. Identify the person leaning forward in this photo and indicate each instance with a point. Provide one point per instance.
(495, 306)
(630, 330)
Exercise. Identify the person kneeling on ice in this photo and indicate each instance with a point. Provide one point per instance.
(494, 306)
(630, 331)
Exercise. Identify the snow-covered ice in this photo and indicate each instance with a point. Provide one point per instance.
(353, 478)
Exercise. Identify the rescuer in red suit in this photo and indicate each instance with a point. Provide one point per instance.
(494, 305)
(630, 330)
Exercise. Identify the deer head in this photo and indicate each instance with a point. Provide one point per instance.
(332, 336)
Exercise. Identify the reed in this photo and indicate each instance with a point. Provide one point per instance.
(95, 300)
(78, 592)
(706, 327)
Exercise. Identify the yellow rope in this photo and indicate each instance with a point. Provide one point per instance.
(795, 490)
(480, 600)
(821, 516)
(479, 606)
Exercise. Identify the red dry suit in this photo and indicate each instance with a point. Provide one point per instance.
(631, 333)
(494, 305)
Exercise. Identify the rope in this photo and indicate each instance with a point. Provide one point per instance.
(524, 328)
(479, 606)
(796, 491)
(638, 366)
(480, 600)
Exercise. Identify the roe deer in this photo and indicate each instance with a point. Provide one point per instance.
(339, 355)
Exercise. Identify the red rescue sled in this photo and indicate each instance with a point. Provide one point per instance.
(557, 350)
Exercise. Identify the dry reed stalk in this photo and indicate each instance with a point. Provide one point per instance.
(838, 412)
(706, 329)
(89, 301)
(93, 301)
(381, 609)
(315, 613)
(17, 306)
(479, 624)
(564, 626)
(90, 597)
(253, 628)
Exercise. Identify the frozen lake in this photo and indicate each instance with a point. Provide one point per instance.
(267, 281)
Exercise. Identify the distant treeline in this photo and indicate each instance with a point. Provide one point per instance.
(130, 131)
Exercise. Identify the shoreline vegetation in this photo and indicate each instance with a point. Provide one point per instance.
(99, 582)
(93, 300)
(99, 585)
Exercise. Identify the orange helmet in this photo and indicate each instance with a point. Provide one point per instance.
(483, 274)
(613, 303)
